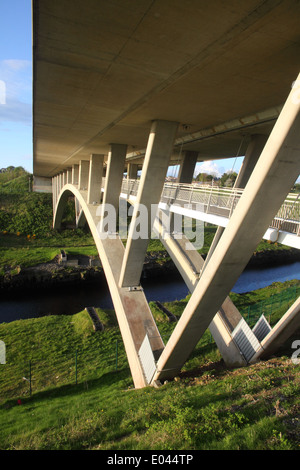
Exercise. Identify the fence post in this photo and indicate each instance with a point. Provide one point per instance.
(116, 354)
(76, 367)
(272, 298)
(280, 299)
(30, 389)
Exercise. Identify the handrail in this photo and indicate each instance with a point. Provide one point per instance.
(219, 201)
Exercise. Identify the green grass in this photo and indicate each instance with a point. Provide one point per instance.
(21, 251)
(207, 407)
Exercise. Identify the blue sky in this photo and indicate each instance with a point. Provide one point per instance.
(15, 84)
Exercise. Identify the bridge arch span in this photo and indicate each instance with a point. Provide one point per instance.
(131, 306)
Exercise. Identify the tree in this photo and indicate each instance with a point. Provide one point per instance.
(228, 179)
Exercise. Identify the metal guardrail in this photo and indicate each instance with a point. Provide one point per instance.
(220, 201)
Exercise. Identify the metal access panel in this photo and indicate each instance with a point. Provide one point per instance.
(261, 328)
(147, 359)
(245, 339)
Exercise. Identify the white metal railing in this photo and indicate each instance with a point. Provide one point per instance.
(213, 200)
(219, 201)
(288, 217)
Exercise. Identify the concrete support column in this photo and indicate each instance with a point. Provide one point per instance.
(83, 180)
(75, 174)
(252, 155)
(60, 181)
(254, 149)
(95, 178)
(114, 174)
(53, 193)
(156, 162)
(69, 176)
(275, 173)
(57, 190)
(132, 169)
(64, 177)
(187, 167)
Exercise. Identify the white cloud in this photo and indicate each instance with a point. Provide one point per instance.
(15, 64)
(15, 106)
(209, 167)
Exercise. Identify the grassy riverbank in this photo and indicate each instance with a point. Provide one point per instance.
(207, 407)
(20, 251)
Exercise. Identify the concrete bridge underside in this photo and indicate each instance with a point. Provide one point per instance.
(142, 85)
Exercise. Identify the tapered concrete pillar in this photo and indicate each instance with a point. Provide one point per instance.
(57, 189)
(251, 157)
(53, 193)
(275, 173)
(187, 167)
(113, 179)
(154, 170)
(189, 263)
(95, 178)
(69, 176)
(60, 179)
(75, 173)
(65, 177)
(132, 170)
(83, 180)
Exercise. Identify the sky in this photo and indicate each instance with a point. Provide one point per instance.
(15, 84)
(16, 91)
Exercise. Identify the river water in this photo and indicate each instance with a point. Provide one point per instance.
(70, 299)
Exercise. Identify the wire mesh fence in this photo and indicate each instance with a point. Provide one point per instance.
(77, 367)
(271, 306)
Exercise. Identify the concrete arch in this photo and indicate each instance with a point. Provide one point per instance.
(131, 306)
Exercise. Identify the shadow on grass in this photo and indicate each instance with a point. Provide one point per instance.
(106, 380)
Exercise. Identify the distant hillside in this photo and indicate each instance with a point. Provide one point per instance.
(22, 211)
(14, 180)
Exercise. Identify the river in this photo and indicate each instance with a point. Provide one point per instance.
(70, 299)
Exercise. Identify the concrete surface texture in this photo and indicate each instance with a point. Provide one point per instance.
(104, 70)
